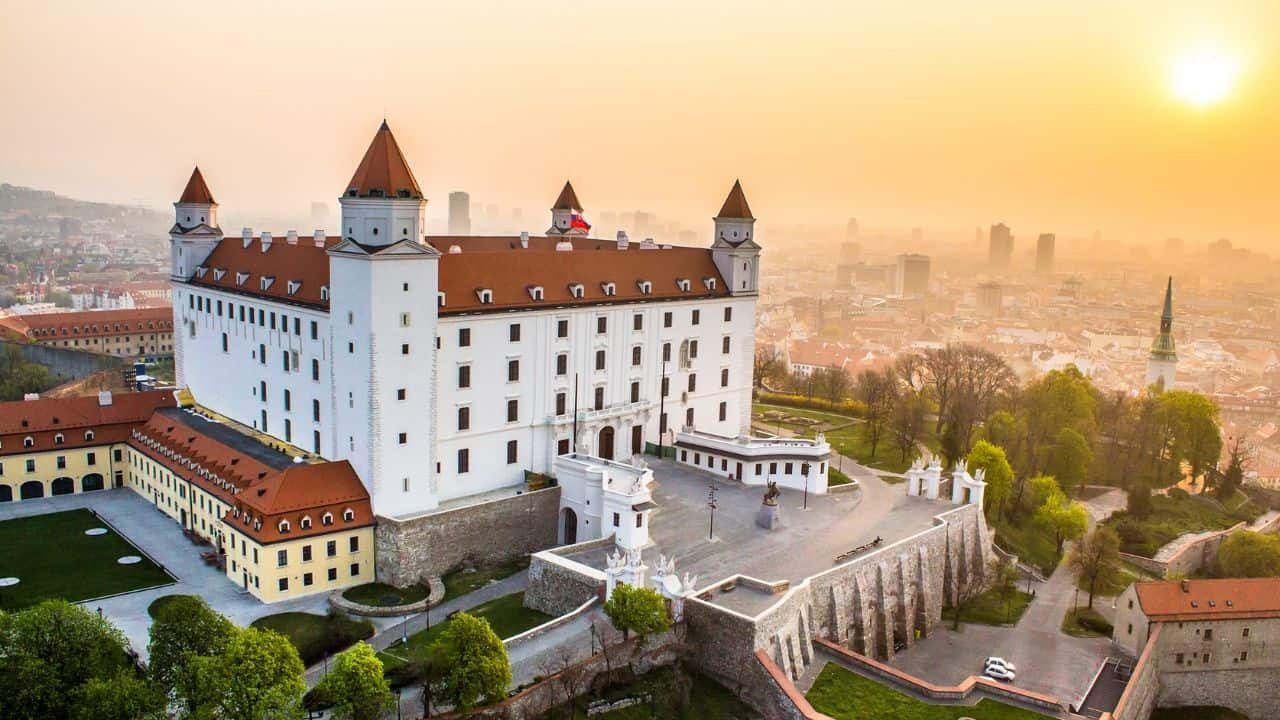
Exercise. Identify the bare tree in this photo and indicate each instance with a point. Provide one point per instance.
(562, 672)
(833, 384)
(878, 391)
(769, 365)
(970, 589)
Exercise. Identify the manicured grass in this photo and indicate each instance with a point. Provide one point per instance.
(1032, 543)
(707, 699)
(990, 608)
(847, 696)
(156, 605)
(462, 581)
(1196, 712)
(1084, 622)
(824, 417)
(892, 479)
(1171, 516)
(852, 442)
(507, 616)
(315, 636)
(378, 594)
(53, 558)
(1110, 584)
(835, 477)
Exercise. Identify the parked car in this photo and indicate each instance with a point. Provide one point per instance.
(996, 672)
(1001, 662)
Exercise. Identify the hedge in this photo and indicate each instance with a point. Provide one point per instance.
(851, 408)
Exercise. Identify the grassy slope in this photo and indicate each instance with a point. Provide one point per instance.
(990, 609)
(1169, 518)
(847, 696)
(461, 582)
(53, 558)
(506, 615)
(1030, 542)
(1071, 623)
(315, 636)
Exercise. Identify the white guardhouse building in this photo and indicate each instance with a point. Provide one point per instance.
(443, 368)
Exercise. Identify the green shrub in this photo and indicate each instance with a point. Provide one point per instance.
(1179, 494)
(852, 408)
(316, 699)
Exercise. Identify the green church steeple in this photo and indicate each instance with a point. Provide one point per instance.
(1162, 347)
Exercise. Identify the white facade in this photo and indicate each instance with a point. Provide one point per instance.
(795, 463)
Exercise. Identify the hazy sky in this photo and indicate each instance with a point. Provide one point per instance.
(1048, 115)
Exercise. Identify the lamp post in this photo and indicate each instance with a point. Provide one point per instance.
(804, 470)
(398, 704)
(711, 504)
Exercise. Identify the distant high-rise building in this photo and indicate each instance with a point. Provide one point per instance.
(1044, 253)
(991, 299)
(851, 230)
(917, 237)
(1000, 249)
(1162, 363)
(459, 213)
(912, 277)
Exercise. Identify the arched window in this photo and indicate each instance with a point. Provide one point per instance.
(88, 435)
(326, 519)
(305, 524)
(284, 526)
(58, 439)
(28, 441)
(348, 515)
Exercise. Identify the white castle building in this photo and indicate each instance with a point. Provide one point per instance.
(445, 367)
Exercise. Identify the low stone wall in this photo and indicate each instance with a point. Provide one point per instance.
(558, 585)
(528, 636)
(785, 701)
(1154, 567)
(436, 596)
(1199, 554)
(431, 545)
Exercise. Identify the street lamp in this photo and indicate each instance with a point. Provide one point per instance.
(804, 470)
(398, 704)
(711, 504)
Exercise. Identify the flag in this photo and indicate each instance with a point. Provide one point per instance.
(577, 221)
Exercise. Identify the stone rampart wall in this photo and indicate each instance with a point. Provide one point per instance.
(415, 549)
(558, 585)
(1139, 696)
(64, 363)
(1252, 692)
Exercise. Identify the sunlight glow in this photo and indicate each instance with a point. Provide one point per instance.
(1204, 77)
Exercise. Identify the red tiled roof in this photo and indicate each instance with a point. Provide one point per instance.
(196, 191)
(568, 199)
(497, 263)
(383, 172)
(1221, 599)
(90, 323)
(735, 206)
(44, 419)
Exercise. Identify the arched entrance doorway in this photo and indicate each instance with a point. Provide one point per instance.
(6, 493)
(604, 448)
(570, 532)
(31, 490)
(91, 482)
(63, 486)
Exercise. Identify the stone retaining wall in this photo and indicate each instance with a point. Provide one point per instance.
(558, 585)
(528, 636)
(409, 550)
(1139, 696)
(436, 596)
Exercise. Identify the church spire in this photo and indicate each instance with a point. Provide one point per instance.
(735, 206)
(1163, 361)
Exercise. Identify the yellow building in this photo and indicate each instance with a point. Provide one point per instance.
(132, 332)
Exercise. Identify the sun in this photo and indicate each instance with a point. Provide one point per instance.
(1204, 77)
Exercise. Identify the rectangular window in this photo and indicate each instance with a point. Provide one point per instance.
(353, 543)
(562, 328)
(513, 332)
(635, 355)
(562, 364)
(513, 410)
(562, 446)
(693, 348)
(616, 519)
(464, 376)
(273, 321)
(560, 404)
(282, 558)
(315, 410)
(666, 387)
(355, 569)
(464, 337)
(464, 460)
(306, 579)
(724, 411)
(262, 354)
(464, 418)
(1208, 635)
(332, 574)
(728, 313)
(403, 438)
(224, 342)
(697, 315)
(283, 584)
(315, 369)
(724, 377)
(599, 400)
(404, 319)
(306, 553)
(599, 360)
(60, 462)
(331, 548)
(666, 352)
(91, 458)
(637, 322)
(513, 452)
(693, 382)
(404, 348)
(602, 325)
(288, 400)
(315, 330)
(513, 370)
(666, 319)
(724, 345)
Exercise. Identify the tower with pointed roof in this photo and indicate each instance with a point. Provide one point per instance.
(1162, 363)
(562, 212)
(736, 254)
(195, 230)
(383, 204)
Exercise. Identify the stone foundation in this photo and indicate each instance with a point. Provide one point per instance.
(1251, 692)
(418, 548)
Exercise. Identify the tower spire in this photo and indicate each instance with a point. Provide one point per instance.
(383, 171)
(1163, 360)
(197, 190)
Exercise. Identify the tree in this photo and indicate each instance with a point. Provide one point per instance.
(1066, 520)
(1004, 582)
(769, 365)
(123, 697)
(908, 421)
(1069, 458)
(356, 685)
(1059, 399)
(997, 474)
(878, 391)
(1095, 557)
(1186, 431)
(1233, 476)
(832, 383)
(971, 588)
(1249, 555)
(257, 676)
(1138, 503)
(185, 628)
(473, 663)
(637, 610)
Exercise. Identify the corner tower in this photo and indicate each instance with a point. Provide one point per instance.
(383, 204)
(195, 232)
(1162, 363)
(736, 254)
(564, 211)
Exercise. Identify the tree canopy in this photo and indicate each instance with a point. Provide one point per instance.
(1094, 558)
(998, 474)
(1249, 555)
(257, 676)
(356, 685)
(637, 610)
(473, 663)
(185, 628)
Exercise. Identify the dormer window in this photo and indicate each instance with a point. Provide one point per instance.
(88, 435)
(293, 286)
(28, 441)
(577, 290)
(265, 281)
(284, 526)
(305, 523)
(485, 295)
(241, 277)
(326, 519)
(683, 284)
(440, 299)
(57, 439)
(348, 515)
(609, 288)
(535, 292)
(645, 287)
(324, 293)
(218, 273)
(201, 270)
(709, 282)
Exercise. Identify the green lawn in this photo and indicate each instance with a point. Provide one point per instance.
(1196, 712)
(1084, 622)
(507, 616)
(1031, 542)
(315, 636)
(847, 696)
(835, 477)
(707, 700)
(991, 609)
(462, 581)
(378, 594)
(852, 442)
(53, 558)
(156, 605)
(831, 419)
(1170, 517)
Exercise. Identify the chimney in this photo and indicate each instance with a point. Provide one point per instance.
(104, 398)
(648, 244)
(623, 241)
(524, 239)
(266, 241)
(31, 396)
(247, 235)
(1186, 585)
(291, 237)
(319, 237)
